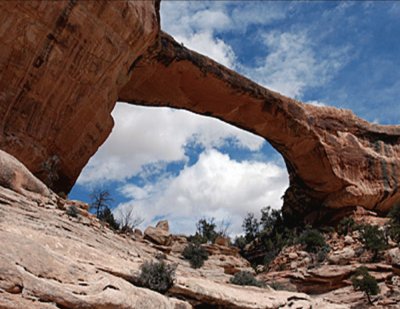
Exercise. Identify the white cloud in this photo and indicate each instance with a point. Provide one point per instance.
(194, 24)
(292, 65)
(206, 44)
(216, 186)
(316, 103)
(156, 136)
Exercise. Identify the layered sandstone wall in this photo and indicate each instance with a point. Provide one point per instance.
(63, 65)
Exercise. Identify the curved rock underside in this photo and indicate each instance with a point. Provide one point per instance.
(64, 64)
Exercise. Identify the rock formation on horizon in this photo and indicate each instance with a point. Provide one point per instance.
(64, 64)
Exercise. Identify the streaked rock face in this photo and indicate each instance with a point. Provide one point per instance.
(61, 66)
(64, 64)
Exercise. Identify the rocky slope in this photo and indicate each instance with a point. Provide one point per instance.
(51, 260)
(65, 63)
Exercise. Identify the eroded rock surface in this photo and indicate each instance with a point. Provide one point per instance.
(51, 260)
(64, 64)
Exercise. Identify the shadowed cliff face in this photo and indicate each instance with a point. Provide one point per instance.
(62, 74)
(61, 66)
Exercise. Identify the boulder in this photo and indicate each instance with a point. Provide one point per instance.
(341, 257)
(393, 256)
(163, 225)
(222, 241)
(158, 236)
(15, 176)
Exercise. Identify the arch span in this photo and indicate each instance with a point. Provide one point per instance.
(64, 64)
(334, 159)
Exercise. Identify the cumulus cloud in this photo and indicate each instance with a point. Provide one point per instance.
(215, 186)
(194, 24)
(145, 136)
(292, 64)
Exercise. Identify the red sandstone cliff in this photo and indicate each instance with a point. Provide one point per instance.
(65, 63)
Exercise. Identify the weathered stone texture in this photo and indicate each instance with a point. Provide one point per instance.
(63, 64)
(334, 158)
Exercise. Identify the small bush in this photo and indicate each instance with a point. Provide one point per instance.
(72, 211)
(313, 240)
(394, 226)
(245, 278)
(394, 214)
(363, 281)
(157, 276)
(373, 239)
(322, 253)
(107, 216)
(195, 254)
(240, 242)
(346, 226)
(277, 286)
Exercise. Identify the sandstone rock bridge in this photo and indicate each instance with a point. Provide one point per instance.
(64, 64)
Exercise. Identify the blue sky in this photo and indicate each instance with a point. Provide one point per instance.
(176, 165)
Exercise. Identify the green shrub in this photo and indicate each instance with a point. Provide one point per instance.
(373, 239)
(363, 281)
(157, 276)
(277, 286)
(107, 216)
(394, 226)
(250, 227)
(195, 254)
(394, 214)
(240, 242)
(73, 211)
(346, 226)
(394, 232)
(313, 240)
(322, 253)
(245, 278)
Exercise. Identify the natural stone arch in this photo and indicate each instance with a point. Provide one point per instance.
(334, 159)
(65, 64)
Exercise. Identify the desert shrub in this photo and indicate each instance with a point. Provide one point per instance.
(322, 253)
(394, 225)
(245, 278)
(373, 239)
(107, 216)
(313, 240)
(195, 254)
(160, 256)
(100, 200)
(205, 231)
(346, 226)
(363, 281)
(72, 211)
(250, 227)
(157, 276)
(271, 233)
(277, 286)
(394, 214)
(240, 242)
(394, 232)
